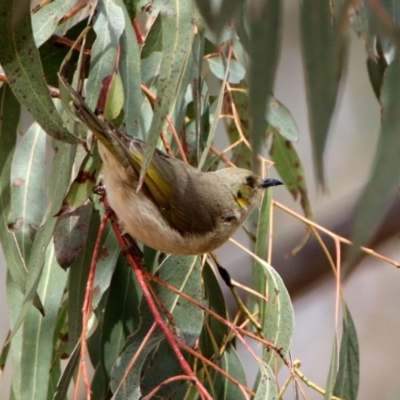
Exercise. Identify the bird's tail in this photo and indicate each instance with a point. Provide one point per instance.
(103, 130)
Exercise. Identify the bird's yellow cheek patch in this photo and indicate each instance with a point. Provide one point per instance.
(242, 203)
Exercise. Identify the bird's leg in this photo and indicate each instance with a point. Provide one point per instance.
(226, 277)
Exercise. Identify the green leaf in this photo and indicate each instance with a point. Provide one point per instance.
(266, 384)
(27, 187)
(264, 20)
(153, 39)
(14, 301)
(290, 169)
(68, 374)
(218, 64)
(78, 277)
(106, 264)
(130, 70)
(109, 24)
(70, 234)
(178, 29)
(37, 353)
(217, 19)
(281, 119)
(46, 20)
(185, 275)
(332, 372)
(58, 183)
(20, 60)
(278, 315)
(9, 117)
(82, 186)
(210, 342)
(121, 318)
(384, 178)
(348, 376)
(230, 362)
(322, 53)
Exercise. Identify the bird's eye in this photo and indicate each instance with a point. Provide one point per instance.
(239, 194)
(250, 181)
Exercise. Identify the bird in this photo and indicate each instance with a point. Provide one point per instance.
(178, 209)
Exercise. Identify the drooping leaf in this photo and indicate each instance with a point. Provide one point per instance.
(37, 353)
(78, 277)
(130, 70)
(46, 20)
(323, 47)
(264, 20)
(225, 389)
(348, 376)
(70, 234)
(121, 318)
(178, 29)
(384, 178)
(20, 60)
(236, 71)
(290, 169)
(184, 274)
(108, 24)
(332, 372)
(215, 301)
(57, 187)
(27, 187)
(266, 385)
(277, 315)
(216, 19)
(280, 118)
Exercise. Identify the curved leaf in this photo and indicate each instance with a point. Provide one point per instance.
(178, 29)
(20, 60)
(28, 185)
(322, 55)
(266, 385)
(278, 315)
(264, 20)
(348, 377)
(384, 178)
(109, 24)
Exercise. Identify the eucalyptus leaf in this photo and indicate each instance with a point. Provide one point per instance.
(323, 50)
(28, 204)
(384, 178)
(109, 24)
(178, 29)
(218, 65)
(20, 60)
(332, 372)
(348, 376)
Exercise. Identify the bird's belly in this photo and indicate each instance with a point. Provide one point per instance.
(139, 217)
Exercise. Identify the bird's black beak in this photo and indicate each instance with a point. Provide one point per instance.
(269, 182)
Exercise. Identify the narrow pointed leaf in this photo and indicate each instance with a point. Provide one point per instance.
(348, 377)
(290, 169)
(59, 181)
(109, 24)
(322, 55)
(278, 315)
(264, 20)
(27, 187)
(384, 178)
(267, 388)
(20, 60)
(178, 28)
(129, 68)
(332, 372)
(37, 354)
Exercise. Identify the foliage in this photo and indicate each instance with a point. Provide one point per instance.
(147, 65)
